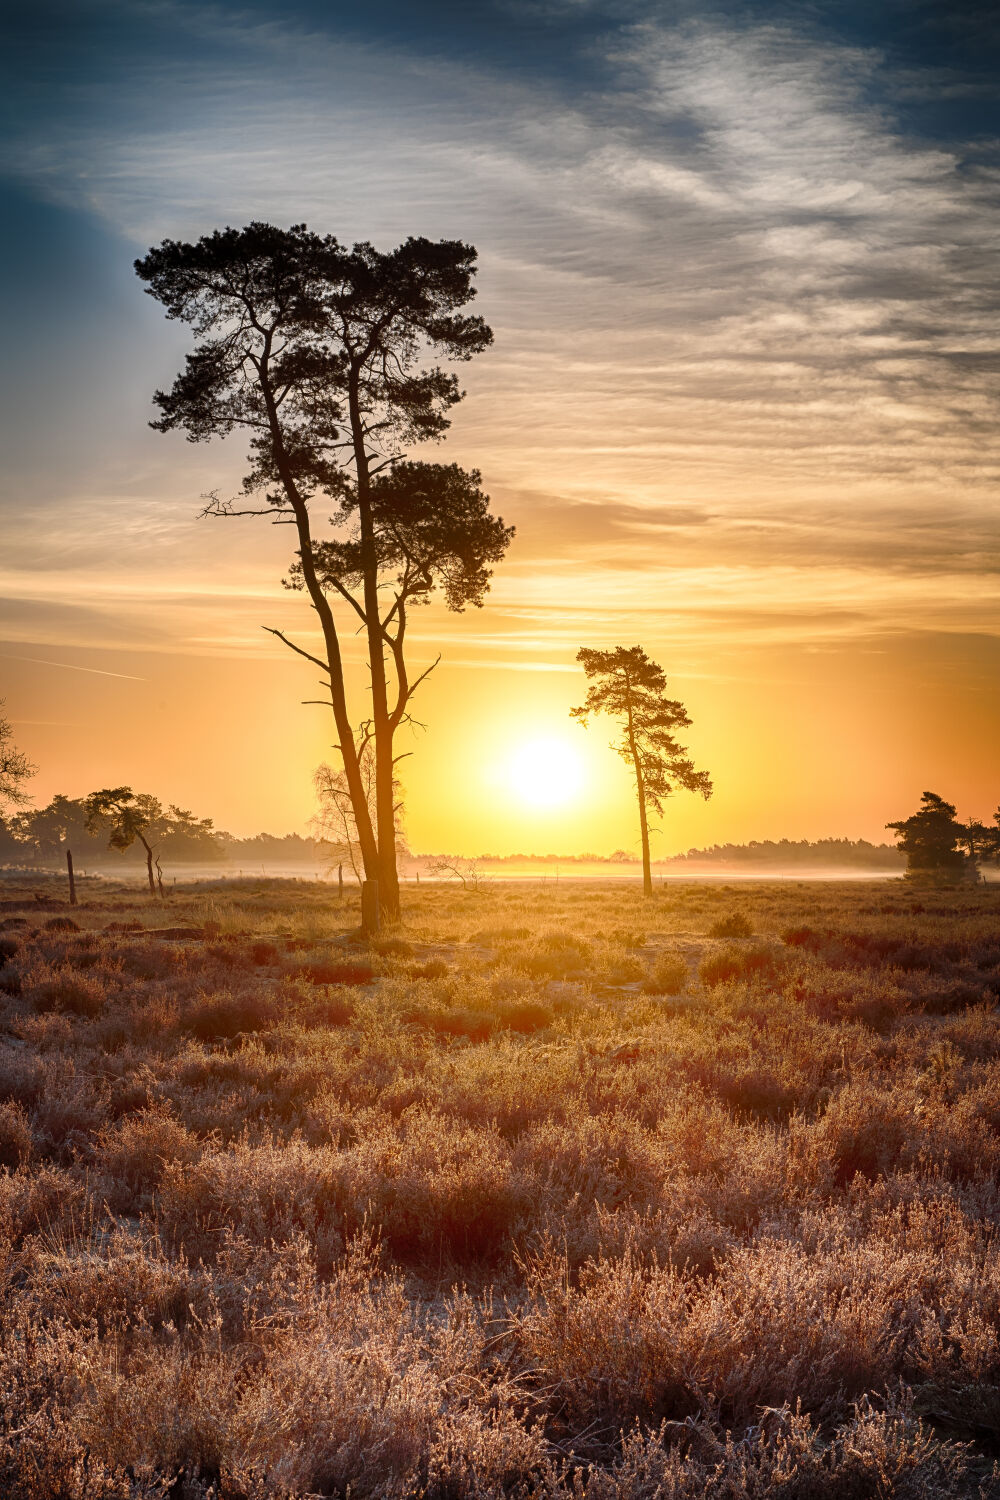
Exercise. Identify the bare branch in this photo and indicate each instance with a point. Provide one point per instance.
(414, 685)
(345, 593)
(324, 666)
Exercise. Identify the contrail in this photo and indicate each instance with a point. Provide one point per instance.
(71, 667)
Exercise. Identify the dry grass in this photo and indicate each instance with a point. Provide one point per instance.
(566, 1196)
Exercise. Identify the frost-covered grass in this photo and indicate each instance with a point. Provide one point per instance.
(552, 1192)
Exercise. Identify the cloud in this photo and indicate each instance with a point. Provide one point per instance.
(746, 345)
(72, 667)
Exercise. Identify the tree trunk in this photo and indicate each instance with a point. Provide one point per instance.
(149, 869)
(647, 873)
(385, 801)
(370, 908)
(320, 603)
(72, 882)
(640, 787)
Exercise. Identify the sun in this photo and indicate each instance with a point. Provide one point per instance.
(545, 772)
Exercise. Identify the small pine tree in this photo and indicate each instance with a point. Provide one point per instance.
(126, 816)
(629, 687)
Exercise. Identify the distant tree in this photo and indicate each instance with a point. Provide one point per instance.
(629, 687)
(15, 767)
(318, 352)
(269, 848)
(184, 837)
(934, 841)
(978, 841)
(126, 817)
(47, 832)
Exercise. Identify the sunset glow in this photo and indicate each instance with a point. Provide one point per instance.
(739, 406)
(546, 773)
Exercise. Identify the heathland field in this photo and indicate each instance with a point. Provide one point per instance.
(553, 1193)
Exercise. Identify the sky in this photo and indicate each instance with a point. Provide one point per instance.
(740, 264)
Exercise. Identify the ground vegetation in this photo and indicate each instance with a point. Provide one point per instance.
(552, 1193)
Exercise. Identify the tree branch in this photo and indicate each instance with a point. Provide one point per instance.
(323, 665)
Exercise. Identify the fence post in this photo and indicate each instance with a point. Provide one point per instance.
(340, 883)
(72, 882)
(369, 907)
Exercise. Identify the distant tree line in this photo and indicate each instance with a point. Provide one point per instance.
(618, 857)
(39, 837)
(812, 853)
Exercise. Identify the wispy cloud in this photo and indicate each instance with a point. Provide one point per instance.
(746, 322)
(68, 666)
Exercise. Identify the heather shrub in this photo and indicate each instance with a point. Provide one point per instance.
(337, 972)
(627, 937)
(336, 1008)
(67, 992)
(43, 1200)
(10, 980)
(434, 1189)
(434, 968)
(728, 964)
(150, 960)
(876, 999)
(525, 1016)
(616, 965)
(455, 1020)
(265, 1194)
(864, 1131)
(552, 955)
(226, 1014)
(15, 1135)
(802, 937)
(69, 1108)
(264, 954)
(877, 1453)
(132, 1154)
(668, 975)
(735, 924)
(942, 996)
(116, 1286)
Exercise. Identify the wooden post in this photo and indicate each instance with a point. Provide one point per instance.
(72, 882)
(340, 882)
(369, 907)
